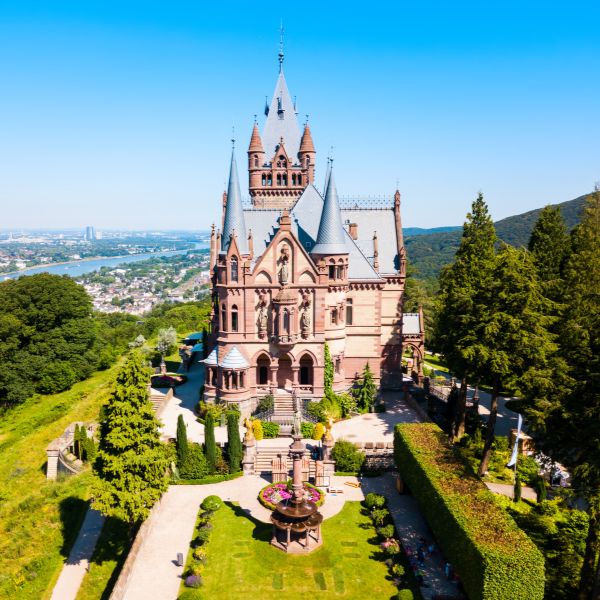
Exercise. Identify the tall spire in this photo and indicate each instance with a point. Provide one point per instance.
(281, 46)
(234, 221)
(331, 238)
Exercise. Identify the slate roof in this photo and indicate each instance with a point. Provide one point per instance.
(331, 236)
(281, 123)
(411, 324)
(382, 221)
(306, 216)
(234, 212)
(212, 360)
(234, 360)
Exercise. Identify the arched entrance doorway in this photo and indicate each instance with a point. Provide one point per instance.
(306, 371)
(284, 372)
(262, 370)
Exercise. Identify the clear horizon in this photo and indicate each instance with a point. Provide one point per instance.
(119, 115)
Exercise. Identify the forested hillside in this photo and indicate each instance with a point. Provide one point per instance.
(428, 253)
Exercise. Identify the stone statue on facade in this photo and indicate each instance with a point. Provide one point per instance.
(284, 270)
(263, 317)
(297, 426)
(305, 317)
(249, 436)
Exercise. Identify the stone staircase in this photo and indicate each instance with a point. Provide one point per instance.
(283, 411)
(265, 455)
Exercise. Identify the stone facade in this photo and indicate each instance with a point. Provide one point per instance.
(294, 271)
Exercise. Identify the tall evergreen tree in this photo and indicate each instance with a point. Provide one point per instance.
(568, 421)
(514, 344)
(366, 390)
(210, 446)
(462, 305)
(131, 464)
(181, 441)
(234, 443)
(328, 372)
(549, 245)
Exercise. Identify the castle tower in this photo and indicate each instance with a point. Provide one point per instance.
(233, 221)
(281, 163)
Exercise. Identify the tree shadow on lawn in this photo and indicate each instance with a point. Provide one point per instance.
(72, 513)
(261, 532)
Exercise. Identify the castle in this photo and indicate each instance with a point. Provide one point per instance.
(294, 270)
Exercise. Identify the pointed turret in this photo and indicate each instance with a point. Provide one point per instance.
(306, 143)
(234, 213)
(255, 141)
(331, 238)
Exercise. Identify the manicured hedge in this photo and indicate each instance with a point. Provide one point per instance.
(493, 557)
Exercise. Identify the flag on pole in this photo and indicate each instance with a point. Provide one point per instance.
(515, 452)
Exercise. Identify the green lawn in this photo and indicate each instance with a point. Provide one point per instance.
(39, 520)
(241, 562)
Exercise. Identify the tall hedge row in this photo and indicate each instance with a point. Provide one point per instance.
(493, 557)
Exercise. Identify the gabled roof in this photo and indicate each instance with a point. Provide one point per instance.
(234, 213)
(281, 123)
(306, 215)
(331, 236)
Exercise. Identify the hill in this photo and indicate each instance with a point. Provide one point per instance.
(429, 252)
(421, 231)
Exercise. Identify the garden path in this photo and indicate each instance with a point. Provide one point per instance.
(76, 566)
(527, 493)
(411, 526)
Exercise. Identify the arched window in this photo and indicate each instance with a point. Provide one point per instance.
(262, 369)
(349, 307)
(307, 162)
(270, 179)
(264, 179)
(334, 316)
(234, 318)
(223, 318)
(299, 179)
(332, 271)
(285, 179)
(255, 160)
(293, 179)
(234, 269)
(278, 179)
(286, 321)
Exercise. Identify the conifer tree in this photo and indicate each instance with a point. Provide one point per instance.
(461, 303)
(567, 421)
(549, 245)
(234, 443)
(366, 390)
(131, 464)
(514, 344)
(328, 372)
(210, 446)
(181, 441)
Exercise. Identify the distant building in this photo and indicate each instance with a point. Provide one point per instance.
(295, 269)
(90, 234)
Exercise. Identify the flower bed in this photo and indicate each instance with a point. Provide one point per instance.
(273, 493)
(168, 380)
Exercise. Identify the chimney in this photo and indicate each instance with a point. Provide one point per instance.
(353, 230)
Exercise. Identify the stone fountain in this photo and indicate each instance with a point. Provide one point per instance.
(297, 522)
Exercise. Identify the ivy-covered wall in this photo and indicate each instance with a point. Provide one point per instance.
(494, 559)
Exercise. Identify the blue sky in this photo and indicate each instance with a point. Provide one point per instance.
(119, 114)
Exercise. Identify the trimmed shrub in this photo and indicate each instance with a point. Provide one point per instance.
(387, 531)
(190, 594)
(194, 568)
(211, 503)
(493, 557)
(318, 431)
(257, 429)
(199, 555)
(373, 500)
(307, 430)
(195, 466)
(265, 403)
(347, 456)
(379, 516)
(234, 443)
(270, 430)
(203, 534)
(405, 594)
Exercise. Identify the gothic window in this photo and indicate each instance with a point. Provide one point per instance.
(338, 364)
(307, 161)
(223, 318)
(285, 179)
(279, 163)
(332, 271)
(286, 321)
(278, 179)
(264, 179)
(293, 179)
(255, 160)
(270, 179)
(234, 380)
(299, 179)
(234, 269)
(234, 318)
(349, 308)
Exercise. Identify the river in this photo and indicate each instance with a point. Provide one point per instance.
(80, 267)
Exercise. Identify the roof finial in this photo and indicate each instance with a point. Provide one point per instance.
(233, 137)
(281, 46)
